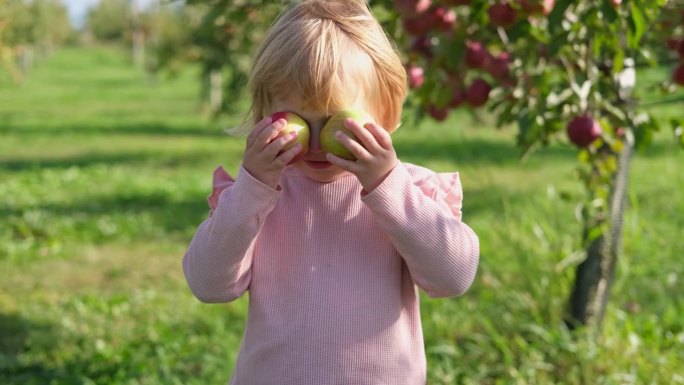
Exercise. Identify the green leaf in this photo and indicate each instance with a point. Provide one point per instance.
(558, 42)
(558, 13)
(618, 59)
(637, 25)
(609, 11)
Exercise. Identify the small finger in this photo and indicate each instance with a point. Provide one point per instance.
(269, 133)
(279, 143)
(352, 145)
(366, 139)
(381, 135)
(287, 156)
(263, 123)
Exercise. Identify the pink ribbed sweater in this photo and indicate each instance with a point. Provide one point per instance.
(332, 274)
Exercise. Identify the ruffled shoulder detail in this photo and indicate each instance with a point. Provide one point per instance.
(442, 187)
(221, 181)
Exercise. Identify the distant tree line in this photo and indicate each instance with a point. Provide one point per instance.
(29, 31)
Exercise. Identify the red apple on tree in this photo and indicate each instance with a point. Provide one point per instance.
(476, 54)
(672, 43)
(678, 75)
(478, 92)
(458, 97)
(411, 8)
(498, 66)
(336, 123)
(444, 18)
(419, 25)
(501, 14)
(583, 130)
(536, 7)
(422, 45)
(416, 76)
(438, 113)
(294, 124)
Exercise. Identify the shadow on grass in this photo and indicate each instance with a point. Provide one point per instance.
(157, 159)
(18, 335)
(148, 128)
(484, 151)
(168, 217)
(475, 151)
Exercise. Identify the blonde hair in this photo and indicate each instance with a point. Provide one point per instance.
(327, 53)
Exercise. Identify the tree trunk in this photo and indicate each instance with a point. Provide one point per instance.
(138, 47)
(594, 276)
(215, 90)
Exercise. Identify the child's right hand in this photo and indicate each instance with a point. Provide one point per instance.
(264, 157)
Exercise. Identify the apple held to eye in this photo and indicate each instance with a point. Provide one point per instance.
(294, 124)
(336, 123)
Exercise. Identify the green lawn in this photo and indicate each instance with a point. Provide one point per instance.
(103, 180)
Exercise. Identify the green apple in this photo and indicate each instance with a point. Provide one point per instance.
(336, 123)
(297, 124)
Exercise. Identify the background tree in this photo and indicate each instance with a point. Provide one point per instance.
(31, 30)
(109, 21)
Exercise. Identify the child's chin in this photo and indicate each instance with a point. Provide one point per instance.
(321, 172)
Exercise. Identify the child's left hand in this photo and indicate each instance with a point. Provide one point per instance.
(375, 155)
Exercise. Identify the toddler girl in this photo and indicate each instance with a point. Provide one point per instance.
(331, 251)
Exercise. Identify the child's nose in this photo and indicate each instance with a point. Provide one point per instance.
(315, 140)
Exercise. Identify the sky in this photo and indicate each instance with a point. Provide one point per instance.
(79, 8)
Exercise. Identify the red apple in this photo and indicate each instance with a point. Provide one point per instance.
(672, 43)
(680, 49)
(476, 54)
(422, 45)
(438, 113)
(419, 25)
(678, 75)
(583, 130)
(616, 3)
(294, 124)
(444, 18)
(536, 7)
(336, 123)
(416, 76)
(457, 98)
(501, 14)
(498, 66)
(478, 92)
(411, 8)
(456, 2)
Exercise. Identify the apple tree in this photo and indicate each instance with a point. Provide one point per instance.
(556, 70)
(6, 51)
(219, 35)
(30, 30)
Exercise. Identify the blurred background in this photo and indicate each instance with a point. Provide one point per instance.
(564, 119)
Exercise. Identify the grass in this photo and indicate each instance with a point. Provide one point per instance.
(104, 178)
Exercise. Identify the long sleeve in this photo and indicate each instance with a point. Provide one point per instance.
(441, 252)
(218, 260)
